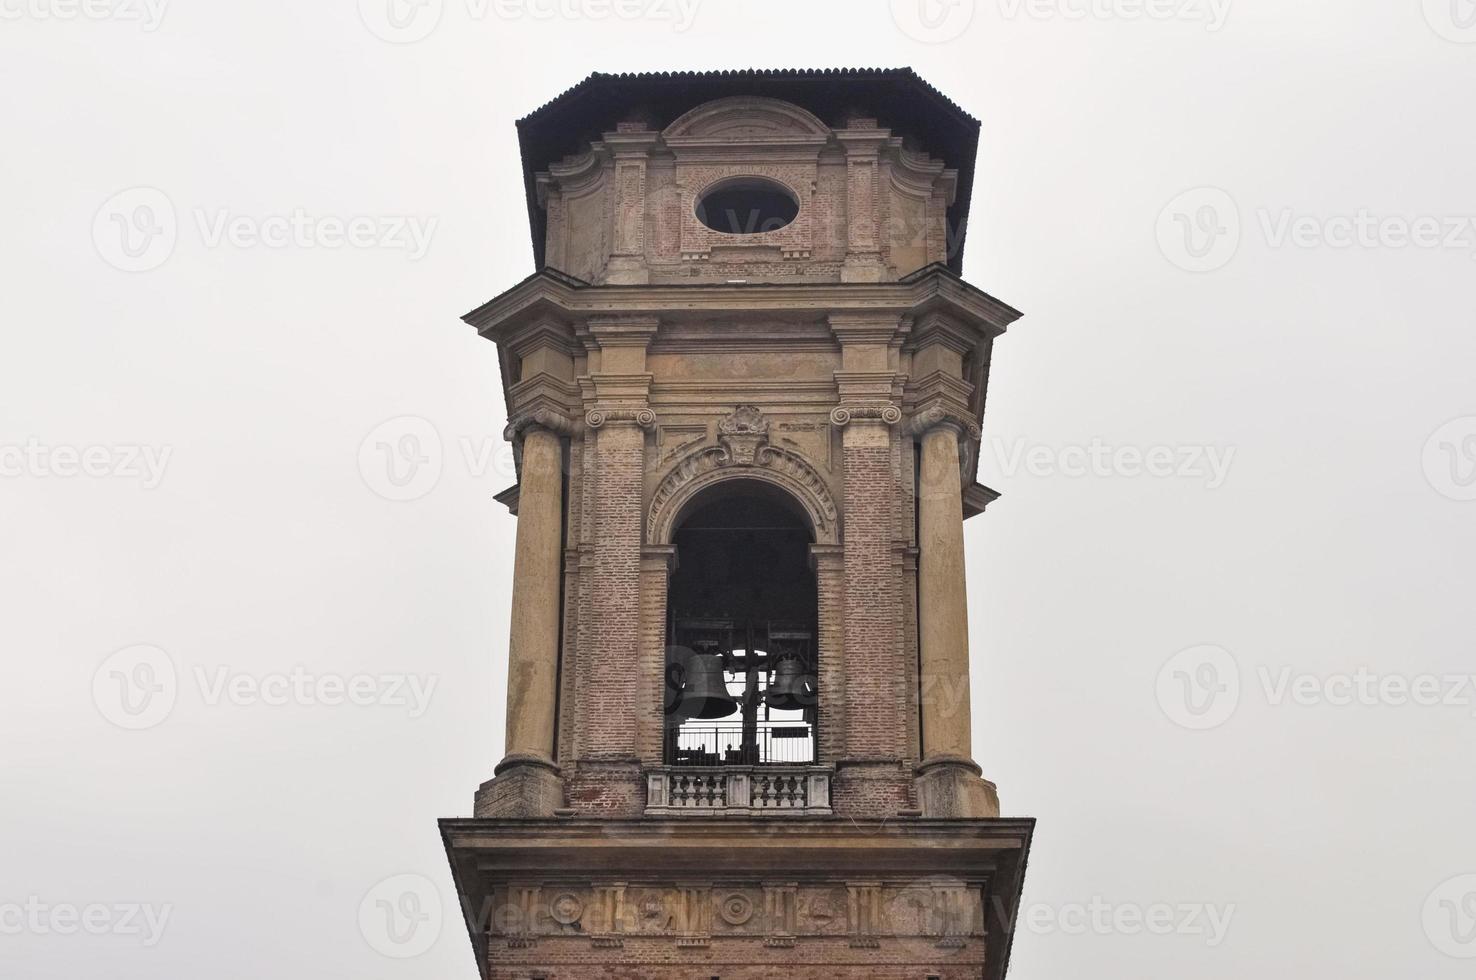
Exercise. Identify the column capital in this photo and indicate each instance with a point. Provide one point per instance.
(539, 418)
(939, 415)
(600, 416)
(884, 412)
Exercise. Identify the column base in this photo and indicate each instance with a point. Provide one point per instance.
(951, 787)
(524, 786)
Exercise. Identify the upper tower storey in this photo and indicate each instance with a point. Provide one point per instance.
(792, 176)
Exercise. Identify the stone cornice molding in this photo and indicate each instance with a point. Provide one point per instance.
(622, 330)
(928, 289)
(867, 328)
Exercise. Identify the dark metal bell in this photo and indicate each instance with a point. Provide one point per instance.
(705, 694)
(791, 687)
(677, 661)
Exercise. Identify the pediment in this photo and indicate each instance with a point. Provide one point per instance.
(746, 118)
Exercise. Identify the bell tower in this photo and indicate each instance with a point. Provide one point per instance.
(744, 389)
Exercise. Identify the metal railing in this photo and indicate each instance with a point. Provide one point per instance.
(713, 744)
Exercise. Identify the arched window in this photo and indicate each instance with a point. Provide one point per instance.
(741, 654)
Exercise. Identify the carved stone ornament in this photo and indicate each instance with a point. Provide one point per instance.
(566, 909)
(643, 417)
(736, 909)
(936, 415)
(545, 417)
(884, 411)
(743, 432)
(750, 452)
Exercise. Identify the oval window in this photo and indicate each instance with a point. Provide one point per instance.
(747, 206)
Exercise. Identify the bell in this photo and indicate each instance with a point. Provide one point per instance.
(677, 661)
(705, 694)
(790, 688)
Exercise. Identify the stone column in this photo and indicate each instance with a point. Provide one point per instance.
(533, 646)
(948, 779)
(943, 618)
(527, 782)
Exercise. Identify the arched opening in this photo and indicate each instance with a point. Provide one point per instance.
(741, 663)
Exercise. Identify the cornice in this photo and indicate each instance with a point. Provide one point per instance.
(930, 289)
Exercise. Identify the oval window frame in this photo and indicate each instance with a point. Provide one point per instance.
(736, 181)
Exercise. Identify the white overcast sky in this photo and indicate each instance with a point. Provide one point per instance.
(1325, 354)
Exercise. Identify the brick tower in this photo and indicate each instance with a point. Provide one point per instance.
(745, 389)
